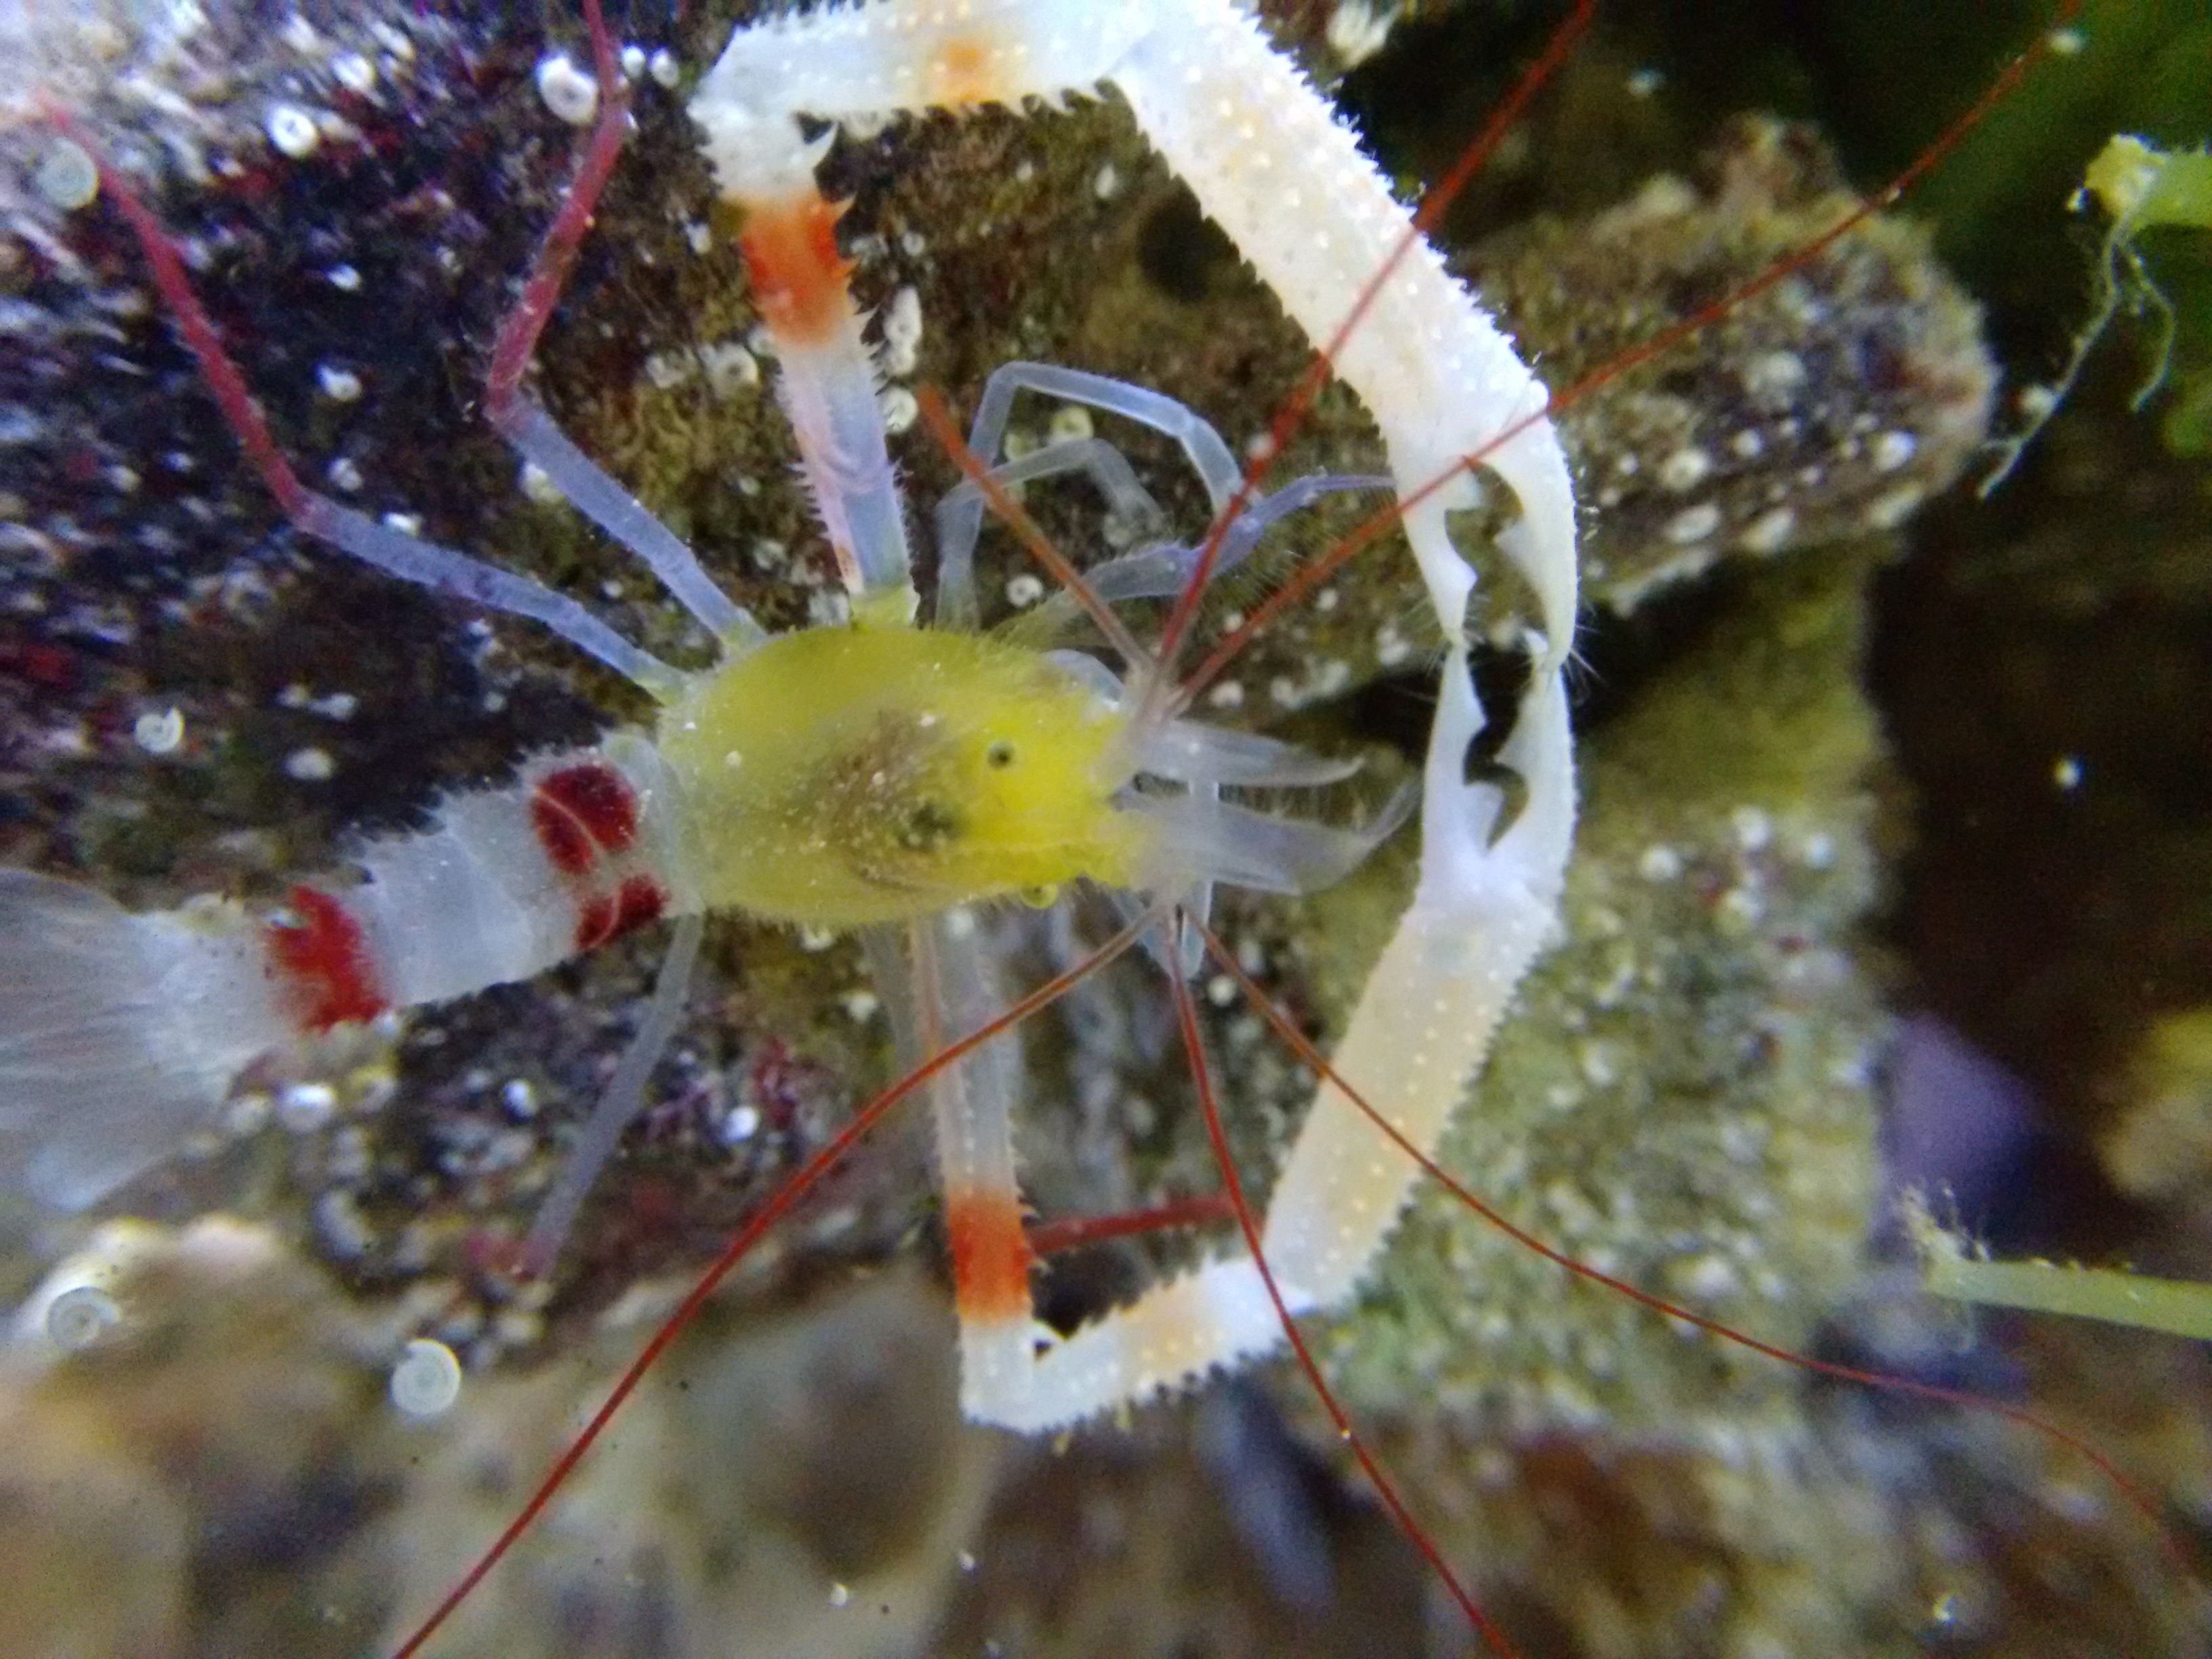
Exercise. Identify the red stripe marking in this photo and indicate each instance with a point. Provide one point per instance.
(798, 276)
(568, 848)
(603, 917)
(582, 812)
(640, 901)
(323, 954)
(991, 1257)
(595, 922)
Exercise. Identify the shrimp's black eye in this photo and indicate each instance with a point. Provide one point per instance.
(1000, 755)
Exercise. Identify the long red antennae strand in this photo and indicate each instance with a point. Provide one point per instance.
(1056, 564)
(518, 336)
(517, 340)
(779, 1204)
(1434, 204)
(1201, 1075)
(2136, 1496)
(1312, 573)
(199, 328)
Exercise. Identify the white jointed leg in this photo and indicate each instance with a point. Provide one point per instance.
(972, 1105)
(862, 60)
(826, 377)
(1271, 164)
(1481, 911)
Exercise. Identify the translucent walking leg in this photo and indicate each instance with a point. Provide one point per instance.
(1481, 911)
(444, 571)
(1209, 456)
(960, 512)
(603, 1130)
(590, 491)
(518, 418)
(1163, 572)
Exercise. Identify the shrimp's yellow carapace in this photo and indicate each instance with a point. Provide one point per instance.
(839, 777)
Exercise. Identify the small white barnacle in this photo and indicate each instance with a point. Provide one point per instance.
(1770, 532)
(537, 483)
(354, 72)
(1893, 449)
(66, 175)
(902, 328)
(568, 91)
(427, 1380)
(293, 131)
(1774, 374)
(160, 731)
(1356, 30)
(78, 1318)
(901, 409)
(1685, 470)
(1888, 511)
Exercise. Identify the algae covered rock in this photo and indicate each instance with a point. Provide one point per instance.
(1684, 1097)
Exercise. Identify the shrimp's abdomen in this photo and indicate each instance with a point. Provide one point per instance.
(121, 1034)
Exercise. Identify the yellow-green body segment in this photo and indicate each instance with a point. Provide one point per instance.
(838, 777)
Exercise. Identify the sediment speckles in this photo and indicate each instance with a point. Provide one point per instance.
(1685, 470)
(1694, 524)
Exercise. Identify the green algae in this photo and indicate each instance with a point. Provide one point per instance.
(2141, 190)
(1952, 1267)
